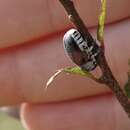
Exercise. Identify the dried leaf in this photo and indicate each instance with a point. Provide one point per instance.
(101, 21)
(52, 78)
(71, 70)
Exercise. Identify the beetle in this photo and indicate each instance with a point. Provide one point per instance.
(82, 52)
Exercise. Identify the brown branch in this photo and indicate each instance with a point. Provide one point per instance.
(75, 19)
(112, 83)
(107, 76)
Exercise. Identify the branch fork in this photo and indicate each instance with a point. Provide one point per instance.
(107, 77)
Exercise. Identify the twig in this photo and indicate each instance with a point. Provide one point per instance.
(107, 76)
(76, 20)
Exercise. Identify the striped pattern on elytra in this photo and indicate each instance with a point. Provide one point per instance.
(72, 38)
(83, 45)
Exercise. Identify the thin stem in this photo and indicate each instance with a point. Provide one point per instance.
(107, 76)
(75, 19)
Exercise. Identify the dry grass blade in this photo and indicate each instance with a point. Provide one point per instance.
(52, 78)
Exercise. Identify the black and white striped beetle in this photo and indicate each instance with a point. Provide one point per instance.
(81, 51)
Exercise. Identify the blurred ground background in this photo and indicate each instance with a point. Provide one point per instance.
(9, 119)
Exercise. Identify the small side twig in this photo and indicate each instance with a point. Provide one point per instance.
(107, 76)
(75, 19)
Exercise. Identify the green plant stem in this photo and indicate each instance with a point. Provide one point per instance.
(107, 77)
